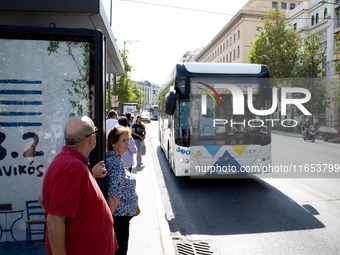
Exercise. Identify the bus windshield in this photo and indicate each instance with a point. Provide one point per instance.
(211, 116)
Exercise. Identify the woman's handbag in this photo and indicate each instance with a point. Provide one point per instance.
(142, 148)
(137, 211)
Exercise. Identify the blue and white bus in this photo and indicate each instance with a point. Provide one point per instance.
(154, 112)
(202, 128)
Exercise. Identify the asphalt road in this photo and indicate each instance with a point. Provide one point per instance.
(258, 215)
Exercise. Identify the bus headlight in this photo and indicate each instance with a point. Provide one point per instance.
(182, 160)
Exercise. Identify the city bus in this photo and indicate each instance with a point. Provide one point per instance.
(154, 112)
(202, 129)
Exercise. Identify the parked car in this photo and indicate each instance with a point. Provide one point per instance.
(145, 117)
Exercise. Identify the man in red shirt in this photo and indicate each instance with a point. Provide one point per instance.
(79, 220)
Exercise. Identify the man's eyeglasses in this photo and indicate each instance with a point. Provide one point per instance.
(94, 132)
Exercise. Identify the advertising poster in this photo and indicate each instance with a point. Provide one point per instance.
(42, 85)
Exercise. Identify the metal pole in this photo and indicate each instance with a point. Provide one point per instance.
(312, 91)
(114, 86)
(108, 93)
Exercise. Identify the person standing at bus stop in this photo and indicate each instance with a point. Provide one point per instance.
(79, 221)
(112, 121)
(128, 156)
(138, 134)
(122, 194)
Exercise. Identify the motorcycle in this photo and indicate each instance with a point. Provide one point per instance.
(308, 133)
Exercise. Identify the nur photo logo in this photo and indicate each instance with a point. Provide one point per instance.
(238, 103)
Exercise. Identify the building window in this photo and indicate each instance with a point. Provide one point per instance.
(284, 5)
(230, 57)
(258, 30)
(223, 46)
(227, 58)
(223, 59)
(274, 4)
(317, 18)
(295, 26)
(227, 44)
(312, 20)
(291, 6)
(238, 51)
(238, 34)
(231, 40)
(234, 51)
(234, 38)
(325, 12)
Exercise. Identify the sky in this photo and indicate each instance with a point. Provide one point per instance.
(158, 36)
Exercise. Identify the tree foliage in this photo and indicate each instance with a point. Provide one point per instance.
(126, 89)
(281, 48)
(276, 46)
(309, 53)
(310, 49)
(336, 91)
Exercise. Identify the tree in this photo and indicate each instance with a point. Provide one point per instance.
(288, 56)
(276, 46)
(310, 52)
(126, 89)
(310, 56)
(336, 91)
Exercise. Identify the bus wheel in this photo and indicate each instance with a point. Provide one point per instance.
(160, 140)
(170, 161)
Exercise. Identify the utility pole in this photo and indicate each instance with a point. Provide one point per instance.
(312, 91)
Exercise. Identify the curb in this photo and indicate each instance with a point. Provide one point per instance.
(167, 243)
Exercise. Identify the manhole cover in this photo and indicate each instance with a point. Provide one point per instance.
(195, 248)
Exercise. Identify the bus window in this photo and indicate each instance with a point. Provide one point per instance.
(182, 123)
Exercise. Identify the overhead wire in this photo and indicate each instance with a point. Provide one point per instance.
(204, 11)
(178, 7)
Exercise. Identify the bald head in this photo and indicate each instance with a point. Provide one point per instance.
(77, 129)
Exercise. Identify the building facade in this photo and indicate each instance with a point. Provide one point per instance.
(233, 43)
(191, 56)
(151, 92)
(321, 19)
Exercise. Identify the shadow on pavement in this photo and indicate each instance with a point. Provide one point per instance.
(232, 206)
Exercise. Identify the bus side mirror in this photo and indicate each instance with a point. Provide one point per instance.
(170, 102)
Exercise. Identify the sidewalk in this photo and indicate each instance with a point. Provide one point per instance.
(149, 231)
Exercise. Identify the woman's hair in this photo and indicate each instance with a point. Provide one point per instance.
(123, 121)
(140, 117)
(128, 116)
(114, 135)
